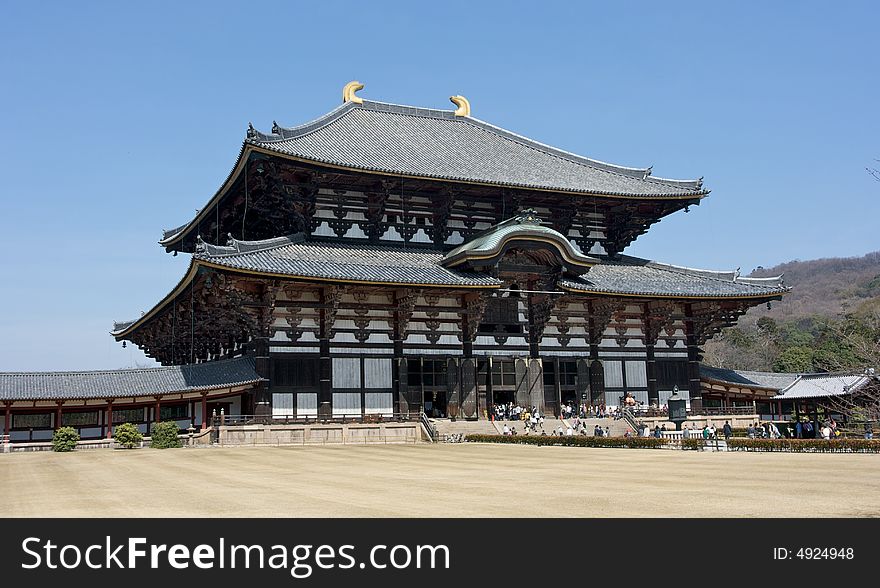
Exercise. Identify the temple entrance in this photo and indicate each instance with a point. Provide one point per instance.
(570, 397)
(503, 397)
(435, 404)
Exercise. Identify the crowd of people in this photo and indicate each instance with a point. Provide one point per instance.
(532, 419)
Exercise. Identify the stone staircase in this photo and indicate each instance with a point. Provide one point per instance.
(617, 428)
(447, 428)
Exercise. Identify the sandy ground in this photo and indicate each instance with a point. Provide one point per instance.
(450, 480)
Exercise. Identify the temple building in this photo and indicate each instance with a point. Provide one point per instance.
(388, 260)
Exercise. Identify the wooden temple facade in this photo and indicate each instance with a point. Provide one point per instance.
(389, 259)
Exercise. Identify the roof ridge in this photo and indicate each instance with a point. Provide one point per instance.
(708, 274)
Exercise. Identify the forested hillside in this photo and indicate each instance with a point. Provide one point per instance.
(829, 321)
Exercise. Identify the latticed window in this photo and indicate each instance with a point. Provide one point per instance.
(79, 419)
(128, 415)
(504, 373)
(549, 373)
(434, 372)
(671, 373)
(299, 372)
(568, 373)
(501, 316)
(173, 412)
(32, 421)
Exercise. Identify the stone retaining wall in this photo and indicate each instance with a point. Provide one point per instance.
(318, 434)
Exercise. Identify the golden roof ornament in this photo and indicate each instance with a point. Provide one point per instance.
(348, 92)
(464, 107)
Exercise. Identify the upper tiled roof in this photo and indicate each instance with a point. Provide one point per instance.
(634, 276)
(127, 383)
(422, 142)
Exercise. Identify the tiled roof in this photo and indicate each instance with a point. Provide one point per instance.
(294, 257)
(824, 386)
(778, 381)
(291, 256)
(404, 140)
(634, 276)
(127, 383)
(737, 377)
(789, 385)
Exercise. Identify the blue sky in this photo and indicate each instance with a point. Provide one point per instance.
(121, 119)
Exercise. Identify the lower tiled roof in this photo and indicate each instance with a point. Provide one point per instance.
(292, 256)
(127, 383)
(634, 276)
(741, 379)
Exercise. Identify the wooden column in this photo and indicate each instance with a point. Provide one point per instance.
(58, 415)
(204, 410)
(651, 372)
(557, 384)
(263, 399)
(327, 317)
(157, 411)
(7, 417)
(597, 374)
(530, 316)
(407, 400)
(693, 352)
(467, 337)
(109, 434)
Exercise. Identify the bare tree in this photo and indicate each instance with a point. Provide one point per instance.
(874, 171)
(860, 407)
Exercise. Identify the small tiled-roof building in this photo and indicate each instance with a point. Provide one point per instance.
(780, 395)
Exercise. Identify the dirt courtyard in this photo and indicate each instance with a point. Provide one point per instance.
(448, 480)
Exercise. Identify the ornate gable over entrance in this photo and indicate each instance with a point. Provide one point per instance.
(520, 244)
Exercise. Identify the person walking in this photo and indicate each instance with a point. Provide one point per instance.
(728, 430)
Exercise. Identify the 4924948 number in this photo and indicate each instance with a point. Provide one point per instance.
(825, 553)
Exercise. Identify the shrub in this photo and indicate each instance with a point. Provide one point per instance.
(65, 439)
(164, 435)
(571, 441)
(128, 435)
(689, 443)
(807, 445)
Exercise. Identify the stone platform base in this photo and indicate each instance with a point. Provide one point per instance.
(318, 434)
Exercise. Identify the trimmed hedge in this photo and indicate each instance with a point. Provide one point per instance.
(127, 435)
(571, 441)
(164, 436)
(693, 443)
(807, 445)
(65, 439)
